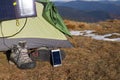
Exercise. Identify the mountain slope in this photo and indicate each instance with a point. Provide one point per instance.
(90, 6)
(80, 15)
(95, 11)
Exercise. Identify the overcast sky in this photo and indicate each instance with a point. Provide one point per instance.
(63, 0)
(83, 0)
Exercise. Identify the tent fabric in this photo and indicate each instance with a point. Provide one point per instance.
(36, 27)
(6, 44)
(51, 14)
(36, 32)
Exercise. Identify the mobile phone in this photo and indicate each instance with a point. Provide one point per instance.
(56, 58)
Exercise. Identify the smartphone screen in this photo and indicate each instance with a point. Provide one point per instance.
(56, 58)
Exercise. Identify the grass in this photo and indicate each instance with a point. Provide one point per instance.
(89, 59)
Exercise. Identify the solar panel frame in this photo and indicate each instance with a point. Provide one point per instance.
(9, 10)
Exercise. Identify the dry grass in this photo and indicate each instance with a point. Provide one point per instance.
(88, 60)
(72, 25)
(109, 26)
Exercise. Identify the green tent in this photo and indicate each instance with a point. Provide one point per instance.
(47, 29)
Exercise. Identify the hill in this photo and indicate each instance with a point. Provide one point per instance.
(80, 15)
(89, 59)
(98, 10)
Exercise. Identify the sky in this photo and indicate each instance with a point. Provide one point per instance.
(83, 0)
(63, 0)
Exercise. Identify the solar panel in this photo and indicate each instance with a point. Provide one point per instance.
(14, 9)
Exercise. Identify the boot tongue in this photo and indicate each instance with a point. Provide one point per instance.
(22, 44)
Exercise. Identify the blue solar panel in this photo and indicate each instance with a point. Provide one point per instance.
(20, 10)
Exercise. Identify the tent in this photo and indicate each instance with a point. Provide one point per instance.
(47, 29)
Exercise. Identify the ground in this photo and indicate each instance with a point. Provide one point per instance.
(89, 59)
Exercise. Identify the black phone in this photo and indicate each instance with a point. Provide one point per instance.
(56, 58)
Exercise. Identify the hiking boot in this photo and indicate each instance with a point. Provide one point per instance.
(20, 56)
(43, 54)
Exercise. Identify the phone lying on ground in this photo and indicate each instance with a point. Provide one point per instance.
(56, 58)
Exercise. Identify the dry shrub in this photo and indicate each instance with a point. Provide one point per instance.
(72, 25)
(110, 26)
(83, 25)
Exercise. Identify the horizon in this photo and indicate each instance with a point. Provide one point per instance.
(80, 0)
